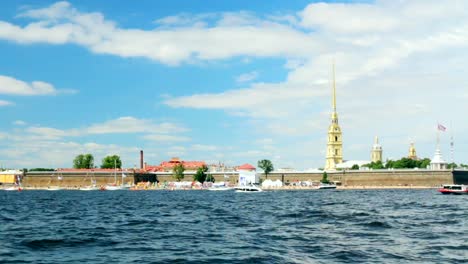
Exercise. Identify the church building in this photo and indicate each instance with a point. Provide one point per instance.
(334, 145)
(376, 154)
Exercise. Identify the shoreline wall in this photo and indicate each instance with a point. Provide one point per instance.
(72, 179)
(395, 178)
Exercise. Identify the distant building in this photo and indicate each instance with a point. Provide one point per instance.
(168, 166)
(438, 163)
(334, 145)
(376, 154)
(246, 167)
(412, 152)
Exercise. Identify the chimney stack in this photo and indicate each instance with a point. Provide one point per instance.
(141, 159)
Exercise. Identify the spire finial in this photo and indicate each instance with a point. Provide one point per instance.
(334, 88)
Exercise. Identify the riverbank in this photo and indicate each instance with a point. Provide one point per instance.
(284, 188)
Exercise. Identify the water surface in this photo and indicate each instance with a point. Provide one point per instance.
(318, 226)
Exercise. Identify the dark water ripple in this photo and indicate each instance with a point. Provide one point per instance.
(389, 226)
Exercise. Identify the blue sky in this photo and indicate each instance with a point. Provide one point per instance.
(228, 81)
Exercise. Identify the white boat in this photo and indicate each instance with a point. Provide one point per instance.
(93, 186)
(14, 188)
(114, 186)
(219, 187)
(111, 187)
(53, 188)
(326, 186)
(454, 189)
(248, 188)
(223, 188)
(90, 188)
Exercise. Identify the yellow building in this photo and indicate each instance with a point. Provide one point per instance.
(9, 176)
(334, 145)
(376, 154)
(412, 152)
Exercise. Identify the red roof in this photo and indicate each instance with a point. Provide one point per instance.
(89, 170)
(246, 166)
(169, 165)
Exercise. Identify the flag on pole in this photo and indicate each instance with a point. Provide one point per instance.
(441, 127)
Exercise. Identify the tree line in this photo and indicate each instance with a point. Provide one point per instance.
(202, 176)
(86, 161)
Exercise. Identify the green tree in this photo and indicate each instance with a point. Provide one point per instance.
(83, 161)
(178, 171)
(109, 162)
(424, 163)
(325, 178)
(355, 167)
(41, 169)
(452, 165)
(210, 178)
(200, 175)
(375, 165)
(407, 163)
(266, 166)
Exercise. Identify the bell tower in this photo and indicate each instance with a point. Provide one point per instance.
(335, 144)
(376, 154)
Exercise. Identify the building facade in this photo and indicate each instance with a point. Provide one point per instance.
(412, 152)
(334, 145)
(376, 154)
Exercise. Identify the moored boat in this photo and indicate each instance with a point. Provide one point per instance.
(219, 187)
(13, 188)
(454, 189)
(326, 186)
(248, 188)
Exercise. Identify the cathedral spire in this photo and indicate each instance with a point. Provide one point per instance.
(334, 89)
(335, 144)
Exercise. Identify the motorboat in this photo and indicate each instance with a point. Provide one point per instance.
(219, 187)
(248, 188)
(53, 188)
(89, 188)
(111, 187)
(326, 186)
(14, 188)
(454, 189)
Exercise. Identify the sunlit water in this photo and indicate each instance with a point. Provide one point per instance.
(320, 226)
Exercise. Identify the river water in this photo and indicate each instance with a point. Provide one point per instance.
(317, 226)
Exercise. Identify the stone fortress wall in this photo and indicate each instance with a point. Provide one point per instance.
(350, 178)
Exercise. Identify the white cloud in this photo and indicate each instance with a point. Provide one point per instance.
(46, 132)
(166, 138)
(130, 124)
(5, 103)
(60, 154)
(200, 147)
(60, 23)
(122, 125)
(19, 123)
(39, 146)
(398, 70)
(12, 86)
(247, 77)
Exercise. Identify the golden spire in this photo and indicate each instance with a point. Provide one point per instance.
(334, 89)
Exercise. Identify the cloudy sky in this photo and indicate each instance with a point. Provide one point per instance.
(229, 81)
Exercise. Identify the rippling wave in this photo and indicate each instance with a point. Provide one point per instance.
(390, 226)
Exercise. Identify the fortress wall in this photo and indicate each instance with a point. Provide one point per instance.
(374, 178)
(71, 180)
(347, 178)
(232, 178)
